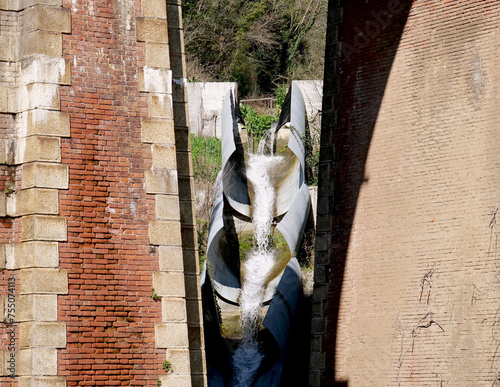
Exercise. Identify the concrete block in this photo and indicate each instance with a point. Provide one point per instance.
(160, 181)
(175, 380)
(38, 148)
(158, 131)
(44, 228)
(152, 30)
(171, 335)
(36, 307)
(46, 18)
(167, 207)
(45, 69)
(41, 42)
(171, 258)
(44, 281)
(180, 361)
(41, 381)
(164, 156)
(160, 106)
(165, 233)
(169, 284)
(33, 201)
(45, 123)
(42, 334)
(33, 254)
(37, 362)
(154, 8)
(155, 80)
(173, 309)
(157, 55)
(44, 175)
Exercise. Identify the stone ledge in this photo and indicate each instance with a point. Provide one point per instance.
(160, 106)
(164, 156)
(40, 42)
(175, 380)
(38, 148)
(43, 228)
(6, 355)
(167, 207)
(180, 361)
(169, 284)
(157, 55)
(171, 258)
(40, 68)
(44, 281)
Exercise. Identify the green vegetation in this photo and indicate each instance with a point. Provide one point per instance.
(167, 366)
(154, 295)
(257, 43)
(207, 157)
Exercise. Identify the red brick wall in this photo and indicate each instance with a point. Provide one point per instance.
(407, 262)
(109, 313)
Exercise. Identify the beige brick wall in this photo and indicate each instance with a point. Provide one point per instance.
(414, 212)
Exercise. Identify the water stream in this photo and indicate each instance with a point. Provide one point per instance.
(257, 267)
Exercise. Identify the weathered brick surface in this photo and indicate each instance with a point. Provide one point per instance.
(409, 193)
(109, 313)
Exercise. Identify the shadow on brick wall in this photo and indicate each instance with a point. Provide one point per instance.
(356, 74)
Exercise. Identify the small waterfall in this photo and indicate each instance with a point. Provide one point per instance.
(257, 267)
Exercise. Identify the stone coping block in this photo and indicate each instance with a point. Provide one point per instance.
(44, 228)
(45, 175)
(37, 362)
(36, 307)
(171, 335)
(33, 201)
(44, 281)
(169, 284)
(152, 30)
(8, 99)
(18, 5)
(158, 131)
(167, 233)
(38, 96)
(46, 18)
(155, 80)
(5, 356)
(32, 254)
(42, 334)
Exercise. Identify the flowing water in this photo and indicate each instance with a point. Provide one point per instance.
(260, 261)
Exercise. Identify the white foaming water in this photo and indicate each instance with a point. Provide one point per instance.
(260, 261)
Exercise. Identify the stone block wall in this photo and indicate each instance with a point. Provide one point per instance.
(407, 272)
(98, 240)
